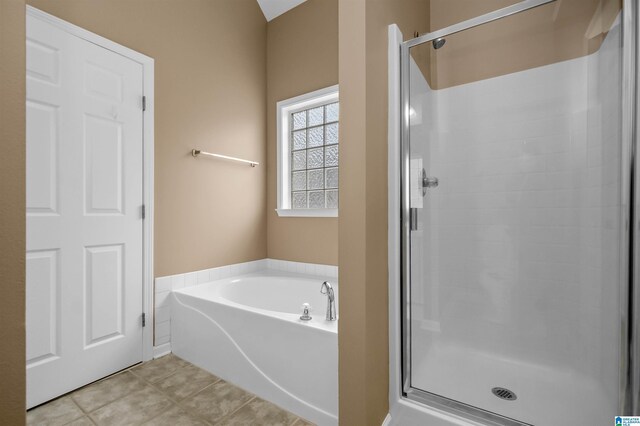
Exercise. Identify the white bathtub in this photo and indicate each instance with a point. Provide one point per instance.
(247, 330)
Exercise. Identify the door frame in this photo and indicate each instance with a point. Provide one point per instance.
(147, 159)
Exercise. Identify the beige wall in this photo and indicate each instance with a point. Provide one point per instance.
(555, 32)
(12, 211)
(363, 326)
(302, 56)
(210, 90)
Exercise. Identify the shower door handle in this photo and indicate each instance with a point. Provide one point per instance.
(428, 182)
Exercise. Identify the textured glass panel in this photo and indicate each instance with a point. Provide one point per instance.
(299, 181)
(316, 116)
(332, 199)
(300, 139)
(332, 133)
(333, 112)
(299, 200)
(331, 178)
(316, 199)
(300, 120)
(315, 158)
(316, 179)
(315, 137)
(299, 160)
(331, 156)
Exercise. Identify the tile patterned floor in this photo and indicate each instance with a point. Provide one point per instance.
(166, 391)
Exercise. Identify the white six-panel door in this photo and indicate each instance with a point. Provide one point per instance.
(84, 219)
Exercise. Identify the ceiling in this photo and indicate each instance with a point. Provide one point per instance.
(274, 8)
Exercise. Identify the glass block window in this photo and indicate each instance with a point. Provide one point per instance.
(308, 150)
(314, 157)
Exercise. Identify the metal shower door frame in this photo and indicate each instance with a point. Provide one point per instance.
(629, 351)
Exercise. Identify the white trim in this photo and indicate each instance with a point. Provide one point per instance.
(307, 212)
(161, 350)
(148, 157)
(89, 36)
(272, 9)
(283, 111)
(395, 377)
(387, 420)
(148, 195)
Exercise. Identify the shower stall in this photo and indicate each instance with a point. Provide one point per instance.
(515, 270)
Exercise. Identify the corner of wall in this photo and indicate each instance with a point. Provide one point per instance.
(12, 211)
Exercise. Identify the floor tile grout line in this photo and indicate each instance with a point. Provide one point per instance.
(226, 416)
(195, 413)
(160, 378)
(125, 396)
(188, 396)
(179, 401)
(72, 392)
(118, 398)
(86, 416)
(144, 382)
(95, 383)
(156, 386)
(107, 403)
(293, 423)
(159, 414)
(77, 406)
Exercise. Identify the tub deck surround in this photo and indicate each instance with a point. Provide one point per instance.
(164, 286)
(247, 330)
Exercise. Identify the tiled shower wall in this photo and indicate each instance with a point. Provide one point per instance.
(517, 249)
(164, 286)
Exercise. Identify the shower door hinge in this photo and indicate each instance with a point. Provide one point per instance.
(413, 219)
(144, 211)
(144, 103)
(144, 320)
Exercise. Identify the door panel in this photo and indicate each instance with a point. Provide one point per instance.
(84, 227)
(103, 162)
(104, 293)
(44, 302)
(42, 168)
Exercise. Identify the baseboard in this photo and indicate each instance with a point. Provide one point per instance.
(161, 350)
(387, 420)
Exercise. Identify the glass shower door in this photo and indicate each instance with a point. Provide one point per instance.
(515, 193)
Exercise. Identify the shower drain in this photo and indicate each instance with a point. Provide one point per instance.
(503, 393)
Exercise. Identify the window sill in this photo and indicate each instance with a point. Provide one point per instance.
(307, 212)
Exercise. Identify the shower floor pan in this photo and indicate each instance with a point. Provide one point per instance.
(545, 396)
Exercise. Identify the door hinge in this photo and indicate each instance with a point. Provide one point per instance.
(144, 103)
(144, 211)
(144, 319)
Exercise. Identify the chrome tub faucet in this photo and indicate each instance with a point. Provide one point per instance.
(331, 301)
